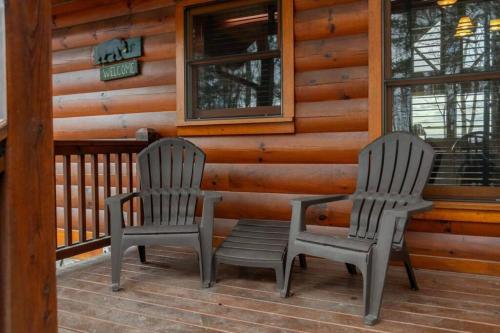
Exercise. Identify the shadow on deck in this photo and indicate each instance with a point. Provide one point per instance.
(164, 295)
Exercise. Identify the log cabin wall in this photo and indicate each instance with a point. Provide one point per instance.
(257, 174)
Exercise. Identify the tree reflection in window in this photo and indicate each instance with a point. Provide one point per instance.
(459, 117)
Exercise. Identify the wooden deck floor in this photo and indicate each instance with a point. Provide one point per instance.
(165, 296)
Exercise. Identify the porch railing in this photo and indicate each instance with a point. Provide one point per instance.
(87, 172)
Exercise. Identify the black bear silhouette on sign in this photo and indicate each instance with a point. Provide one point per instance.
(110, 51)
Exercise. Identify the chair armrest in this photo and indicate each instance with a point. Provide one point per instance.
(115, 206)
(299, 207)
(413, 208)
(121, 198)
(388, 227)
(210, 199)
(211, 196)
(316, 200)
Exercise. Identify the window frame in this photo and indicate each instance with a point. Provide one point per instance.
(388, 84)
(282, 123)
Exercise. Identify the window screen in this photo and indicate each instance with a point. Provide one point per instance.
(443, 84)
(233, 60)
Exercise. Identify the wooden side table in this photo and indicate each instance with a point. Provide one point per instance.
(256, 243)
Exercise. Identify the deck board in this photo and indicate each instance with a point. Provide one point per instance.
(164, 295)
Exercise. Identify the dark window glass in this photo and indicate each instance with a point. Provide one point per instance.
(428, 39)
(461, 121)
(234, 61)
(443, 84)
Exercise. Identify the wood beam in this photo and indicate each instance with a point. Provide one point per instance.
(27, 237)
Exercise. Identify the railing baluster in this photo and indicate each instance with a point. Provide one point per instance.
(107, 190)
(140, 214)
(68, 227)
(82, 209)
(130, 188)
(118, 174)
(94, 174)
(71, 154)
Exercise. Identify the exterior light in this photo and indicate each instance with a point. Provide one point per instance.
(446, 3)
(464, 27)
(495, 24)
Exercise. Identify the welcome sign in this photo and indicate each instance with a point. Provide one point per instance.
(119, 70)
(114, 57)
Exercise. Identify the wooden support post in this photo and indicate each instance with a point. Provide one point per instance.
(27, 214)
(146, 134)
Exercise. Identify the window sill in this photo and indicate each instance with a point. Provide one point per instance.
(275, 125)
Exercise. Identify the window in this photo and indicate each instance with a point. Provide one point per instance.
(442, 83)
(236, 63)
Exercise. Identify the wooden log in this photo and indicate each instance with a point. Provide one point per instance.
(113, 126)
(473, 228)
(275, 178)
(269, 178)
(104, 11)
(310, 148)
(226, 178)
(142, 24)
(153, 73)
(236, 205)
(459, 265)
(343, 51)
(332, 116)
(339, 20)
(157, 47)
(331, 84)
(135, 100)
(65, 6)
(300, 5)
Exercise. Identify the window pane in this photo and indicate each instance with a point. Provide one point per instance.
(428, 39)
(461, 121)
(240, 30)
(239, 85)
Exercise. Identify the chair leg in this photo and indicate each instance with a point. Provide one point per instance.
(279, 276)
(288, 270)
(409, 270)
(201, 264)
(351, 269)
(365, 273)
(213, 274)
(142, 253)
(375, 281)
(206, 257)
(116, 261)
(303, 263)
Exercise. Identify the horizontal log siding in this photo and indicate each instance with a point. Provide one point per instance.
(257, 175)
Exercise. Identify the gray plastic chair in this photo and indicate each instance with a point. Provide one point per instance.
(393, 171)
(170, 174)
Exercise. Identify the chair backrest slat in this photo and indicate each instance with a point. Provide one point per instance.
(154, 171)
(166, 179)
(170, 173)
(393, 171)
